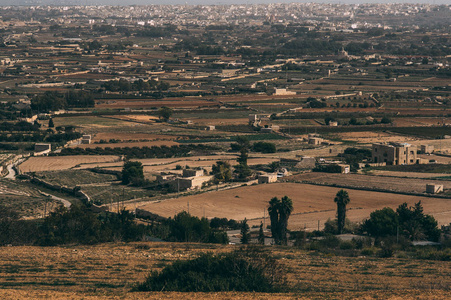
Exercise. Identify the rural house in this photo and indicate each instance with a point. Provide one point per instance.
(394, 153)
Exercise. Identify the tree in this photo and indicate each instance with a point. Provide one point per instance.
(386, 120)
(243, 169)
(279, 212)
(222, 171)
(132, 171)
(245, 235)
(383, 222)
(342, 199)
(415, 225)
(165, 113)
(264, 147)
(51, 124)
(261, 235)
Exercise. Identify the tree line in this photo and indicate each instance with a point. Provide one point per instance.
(51, 101)
(139, 152)
(81, 225)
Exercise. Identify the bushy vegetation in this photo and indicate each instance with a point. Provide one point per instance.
(54, 101)
(123, 85)
(79, 225)
(409, 222)
(132, 172)
(327, 168)
(82, 226)
(354, 156)
(246, 270)
(264, 147)
(186, 228)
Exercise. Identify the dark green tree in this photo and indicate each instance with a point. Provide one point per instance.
(279, 211)
(261, 235)
(51, 124)
(383, 222)
(165, 113)
(242, 168)
(132, 171)
(342, 199)
(245, 235)
(415, 225)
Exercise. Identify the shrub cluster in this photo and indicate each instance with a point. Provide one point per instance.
(246, 270)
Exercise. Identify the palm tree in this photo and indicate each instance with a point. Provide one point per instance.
(342, 199)
(279, 212)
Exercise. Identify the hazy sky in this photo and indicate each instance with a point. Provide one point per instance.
(143, 2)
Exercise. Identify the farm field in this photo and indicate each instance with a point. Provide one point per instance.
(368, 137)
(310, 202)
(73, 178)
(109, 271)
(88, 122)
(129, 136)
(52, 163)
(437, 121)
(408, 174)
(403, 185)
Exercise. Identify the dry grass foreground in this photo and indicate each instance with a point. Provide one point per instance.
(109, 271)
(310, 202)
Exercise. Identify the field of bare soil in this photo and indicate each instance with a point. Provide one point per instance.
(109, 271)
(404, 122)
(53, 163)
(403, 185)
(310, 202)
(368, 137)
(129, 136)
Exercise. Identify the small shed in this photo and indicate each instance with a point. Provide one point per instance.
(267, 178)
(427, 149)
(210, 128)
(434, 188)
(86, 139)
(192, 173)
(315, 140)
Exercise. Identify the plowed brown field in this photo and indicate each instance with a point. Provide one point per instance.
(52, 163)
(311, 203)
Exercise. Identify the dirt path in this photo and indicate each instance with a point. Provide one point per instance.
(65, 202)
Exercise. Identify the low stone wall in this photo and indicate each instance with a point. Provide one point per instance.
(54, 187)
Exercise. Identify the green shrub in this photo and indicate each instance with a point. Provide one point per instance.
(248, 269)
(368, 251)
(346, 245)
(434, 254)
